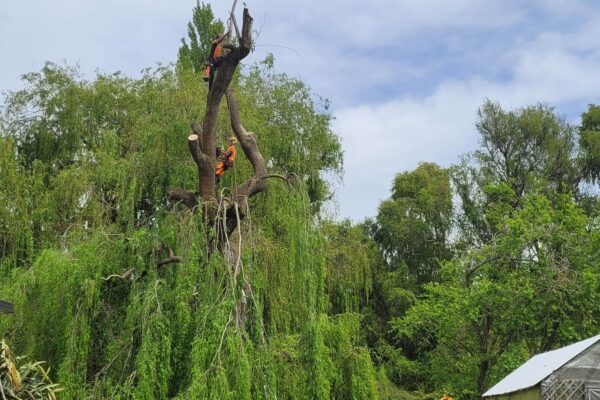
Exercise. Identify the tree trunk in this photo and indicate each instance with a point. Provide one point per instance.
(482, 384)
(201, 141)
(228, 64)
(201, 144)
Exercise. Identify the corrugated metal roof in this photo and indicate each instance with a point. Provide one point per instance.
(539, 367)
(6, 307)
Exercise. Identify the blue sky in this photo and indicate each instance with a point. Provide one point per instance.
(404, 77)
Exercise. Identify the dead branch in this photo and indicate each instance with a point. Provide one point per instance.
(172, 258)
(125, 275)
(249, 144)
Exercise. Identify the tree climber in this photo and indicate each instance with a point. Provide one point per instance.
(213, 60)
(226, 159)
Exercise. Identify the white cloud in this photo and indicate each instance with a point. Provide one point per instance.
(360, 23)
(110, 35)
(381, 140)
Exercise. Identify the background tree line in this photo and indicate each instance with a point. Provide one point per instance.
(481, 265)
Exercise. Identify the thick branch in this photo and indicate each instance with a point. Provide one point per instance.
(203, 162)
(246, 42)
(249, 144)
(194, 146)
(170, 260)
(257, 183)
(197, 129)
(187, 198)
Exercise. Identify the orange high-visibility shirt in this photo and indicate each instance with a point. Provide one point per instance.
(230, 155)
(217, 52)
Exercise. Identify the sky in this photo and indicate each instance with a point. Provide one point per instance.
(404, 77)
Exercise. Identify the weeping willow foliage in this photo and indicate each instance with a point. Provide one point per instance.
(84, 169)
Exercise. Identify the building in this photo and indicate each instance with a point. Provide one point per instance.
(568, 373)
(6, 308)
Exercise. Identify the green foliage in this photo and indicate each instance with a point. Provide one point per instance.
(350, 256)
(589, 142)
(526, 151)
(528, 291)
(522, 276)
(19, 379)
(411, 227)
(294, 128)
(524, 146)
(202, 30)
(356, 376)
(85, 170)
(16, 241)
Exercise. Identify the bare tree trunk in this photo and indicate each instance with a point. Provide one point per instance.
(228, 64)
(482, 384)
(201, 144)
(201, 141)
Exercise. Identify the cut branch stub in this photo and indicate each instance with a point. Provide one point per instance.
(197, 129)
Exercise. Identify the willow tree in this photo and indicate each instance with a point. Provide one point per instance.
(202, 144)
(87, 168)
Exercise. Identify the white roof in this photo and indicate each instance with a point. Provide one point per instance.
(539, 367)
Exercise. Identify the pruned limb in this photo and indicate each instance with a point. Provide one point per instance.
(246, 43)
(202, 161)
(197, 130)
(194, 146)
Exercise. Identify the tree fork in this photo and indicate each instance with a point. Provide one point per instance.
(201, 144)
(229, 62)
